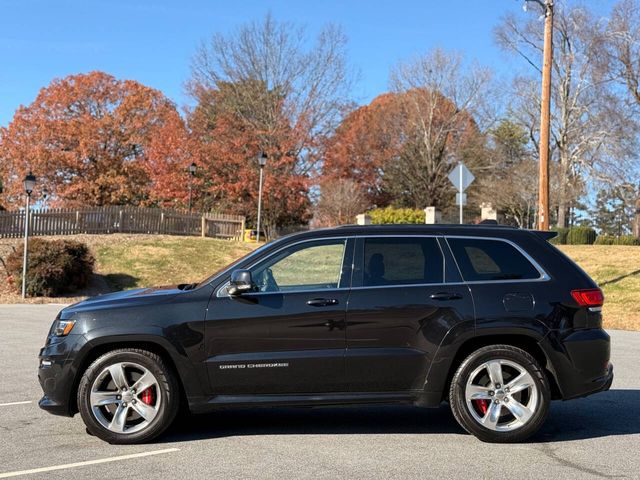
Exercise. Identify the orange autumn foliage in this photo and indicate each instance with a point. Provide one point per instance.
(91, 140)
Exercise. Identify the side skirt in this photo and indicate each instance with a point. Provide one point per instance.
(307, 400)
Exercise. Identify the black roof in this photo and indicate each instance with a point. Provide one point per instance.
(488, 230)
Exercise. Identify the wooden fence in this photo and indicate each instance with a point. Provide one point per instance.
(114, 219)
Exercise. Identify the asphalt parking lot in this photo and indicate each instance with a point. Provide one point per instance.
(593, 437)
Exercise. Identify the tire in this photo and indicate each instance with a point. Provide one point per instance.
(493, 412)
(111, 381)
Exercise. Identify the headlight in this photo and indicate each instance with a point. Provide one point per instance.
(62, 328)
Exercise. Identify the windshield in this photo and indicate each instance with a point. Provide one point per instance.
(231, 265)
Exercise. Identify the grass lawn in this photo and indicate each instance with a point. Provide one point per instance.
(129, 261)
(616, 269)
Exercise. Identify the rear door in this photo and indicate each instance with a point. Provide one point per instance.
(400, 309)
(507, 284)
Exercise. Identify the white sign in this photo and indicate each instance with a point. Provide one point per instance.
(461, 198)
(461, 177)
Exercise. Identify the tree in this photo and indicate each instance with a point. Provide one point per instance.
(442, 101)
(402, 146)
(510, 187)
(340, 202)
(621, 61)
(592, 133)
(226, 149)
(269, 75)
(614, 209)
(87, 137)
(363, 145)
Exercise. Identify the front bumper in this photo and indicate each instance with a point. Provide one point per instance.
(57, 374)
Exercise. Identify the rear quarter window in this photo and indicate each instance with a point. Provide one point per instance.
(486, 260)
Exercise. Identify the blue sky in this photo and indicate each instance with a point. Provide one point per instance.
(153, 41)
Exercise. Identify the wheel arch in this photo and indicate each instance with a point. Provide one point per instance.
(94, 351)
(526, 342)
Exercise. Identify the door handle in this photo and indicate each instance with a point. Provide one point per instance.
(322, 302)
(445, 296)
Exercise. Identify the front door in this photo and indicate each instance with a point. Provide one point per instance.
(399, 311)
(289, 335)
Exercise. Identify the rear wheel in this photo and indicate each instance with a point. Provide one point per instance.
(500, 394)
(128, 396)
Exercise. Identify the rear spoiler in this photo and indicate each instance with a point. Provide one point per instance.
(546, 234)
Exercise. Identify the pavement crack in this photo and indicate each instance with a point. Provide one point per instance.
(550, 453)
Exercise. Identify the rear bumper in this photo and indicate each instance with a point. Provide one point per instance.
(601, 384)
(580, 362)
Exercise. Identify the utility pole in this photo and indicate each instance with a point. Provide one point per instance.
(545, 117)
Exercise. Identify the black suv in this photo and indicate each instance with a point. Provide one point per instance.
(493, 320)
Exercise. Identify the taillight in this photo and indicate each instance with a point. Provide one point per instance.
(591, 297)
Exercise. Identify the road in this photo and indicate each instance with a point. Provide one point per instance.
(593, 437)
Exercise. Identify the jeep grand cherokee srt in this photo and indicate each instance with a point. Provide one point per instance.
(494, 320)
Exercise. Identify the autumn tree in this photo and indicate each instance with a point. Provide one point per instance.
(366, 141)
(269, 74)
(340, 201)
(89, 138)
(402, 146)
(266, 87)
(226, 151)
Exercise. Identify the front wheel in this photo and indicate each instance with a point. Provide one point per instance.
(128, 396)
(500, 394)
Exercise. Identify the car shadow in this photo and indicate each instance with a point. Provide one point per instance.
(119, 281)
(601, 415)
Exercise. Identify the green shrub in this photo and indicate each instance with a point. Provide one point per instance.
(613, 240)
(605, 240)
(396, 215)
(54, 267)
(561, 238)
(581, 236)
(627, 240)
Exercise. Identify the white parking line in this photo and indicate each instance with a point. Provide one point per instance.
(88, 462)
(14, 403)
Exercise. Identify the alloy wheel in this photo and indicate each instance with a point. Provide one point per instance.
(501, 395)
(125, 397)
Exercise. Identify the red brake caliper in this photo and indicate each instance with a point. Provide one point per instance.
(482, 405)
(148, 396)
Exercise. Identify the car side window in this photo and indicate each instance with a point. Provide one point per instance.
(305, 266)
(402, 261)
(485, 260)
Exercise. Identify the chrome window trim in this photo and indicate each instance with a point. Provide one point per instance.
(319, 239)
(544, 276)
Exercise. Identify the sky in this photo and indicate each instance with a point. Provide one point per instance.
(153, 41)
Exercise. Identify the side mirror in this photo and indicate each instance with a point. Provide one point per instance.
(240, 283)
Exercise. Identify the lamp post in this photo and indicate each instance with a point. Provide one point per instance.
(29, 184)
(262, 161)
(192, 173)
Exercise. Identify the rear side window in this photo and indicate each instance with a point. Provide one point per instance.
(402, 261)
(482, 260)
